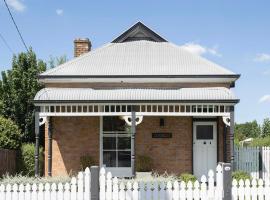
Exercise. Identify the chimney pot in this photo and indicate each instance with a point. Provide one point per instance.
(81, 46)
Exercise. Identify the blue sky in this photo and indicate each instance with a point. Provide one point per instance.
(234, 34)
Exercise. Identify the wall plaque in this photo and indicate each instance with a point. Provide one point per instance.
(161, 135)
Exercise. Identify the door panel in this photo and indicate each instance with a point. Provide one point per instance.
(204, 147)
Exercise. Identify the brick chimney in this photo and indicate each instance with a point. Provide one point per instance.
(81, 46)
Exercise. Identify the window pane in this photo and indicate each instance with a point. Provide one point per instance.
(109, 143)
(124, 159)
(124, 143)
(109, 158)
(204, 132)
(114, 124)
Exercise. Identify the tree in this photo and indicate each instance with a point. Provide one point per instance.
(55, 61)
(247, 130)
(10, 135)
(17, 91)
(266, 127)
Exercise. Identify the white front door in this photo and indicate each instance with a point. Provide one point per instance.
(204, 147)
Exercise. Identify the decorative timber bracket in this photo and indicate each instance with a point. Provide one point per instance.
(128, 120)
(227, 120)
(42, 120)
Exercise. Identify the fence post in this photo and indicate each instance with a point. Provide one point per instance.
(94, 186)
(227, 180)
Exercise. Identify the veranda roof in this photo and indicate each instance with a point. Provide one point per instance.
(71, 95)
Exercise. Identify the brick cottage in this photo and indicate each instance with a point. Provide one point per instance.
(137, 95)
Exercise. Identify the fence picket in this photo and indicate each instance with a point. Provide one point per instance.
(241, 190)
(148, 191)
(80, 186)
(40, 191)
(73, 188)
(129, 191)
(47, 193)
(102, 182)
(135, 193)
(27, 191)
(203, 193)
(60, 193)
(34, 192)
(182, 190)
(109, 186)
(15, 191)
(21, 192)
(254, 191)
(87, 184)
(267, 189)
(189, 190)
(234, 190)
(141, 191)
(175, 190)
(67, 191)
(155, 190)
(169, 193)
(247, 189)
(8, 192)
(115, 188)
(53, 192)
(162, 192)
(122, 191)
(260, 190)
(2, 192)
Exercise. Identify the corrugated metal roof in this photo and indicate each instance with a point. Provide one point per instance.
(87, 94)
(138, 58)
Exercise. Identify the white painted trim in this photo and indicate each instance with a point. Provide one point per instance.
(44, 114)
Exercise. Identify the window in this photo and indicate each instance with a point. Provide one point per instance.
(204, 132)
(116, 142)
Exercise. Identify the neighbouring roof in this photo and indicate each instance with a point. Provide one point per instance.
(137, 52)
(215, 94)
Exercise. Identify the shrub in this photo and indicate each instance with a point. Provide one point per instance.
(186, 177)
(27, 160)
(18, 179)
(10, 135)
(86, 161)
(261, 142)
(144, 163)
(238, 175)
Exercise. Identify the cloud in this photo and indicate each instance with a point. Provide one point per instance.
(16, 5)
(198, 49)
(59, 12)
(262, 57)
(265, 98)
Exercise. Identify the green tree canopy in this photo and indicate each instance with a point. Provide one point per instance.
(247, 130)
(10, 135)
(17, 91)
(55, 61)
(266, 127)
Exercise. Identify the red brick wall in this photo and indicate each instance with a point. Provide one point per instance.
(77, 136)
(173, 155)
(72, 137)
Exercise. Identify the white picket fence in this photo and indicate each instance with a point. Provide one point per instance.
(77, 189)
(255, 190)
(248, 159)
(111, 188)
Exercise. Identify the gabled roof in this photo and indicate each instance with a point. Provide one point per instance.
(139, 32)
(215, 94)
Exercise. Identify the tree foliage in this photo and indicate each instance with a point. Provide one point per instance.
(266, 127)
(10, 135)
(17, 91)
(247, 130)
(55, 61)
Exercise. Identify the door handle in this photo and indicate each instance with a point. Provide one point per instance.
(204, 142)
